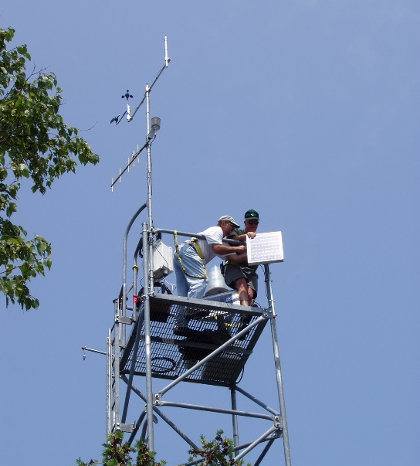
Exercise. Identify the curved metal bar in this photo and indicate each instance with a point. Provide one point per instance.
(124, 278)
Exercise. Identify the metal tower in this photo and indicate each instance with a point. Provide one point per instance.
(143, 353)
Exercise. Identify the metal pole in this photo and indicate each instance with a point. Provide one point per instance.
(117, 341)
(149, 160)
(148, 278)
(147, 341)
(276, 354)
(108, 384)
(115, 365)
(234, 419)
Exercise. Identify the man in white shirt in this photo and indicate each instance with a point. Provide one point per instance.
(191, 257)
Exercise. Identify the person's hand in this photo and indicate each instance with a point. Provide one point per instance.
(251, 234)
(240, 249)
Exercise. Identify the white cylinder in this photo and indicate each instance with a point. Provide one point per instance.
(216, 282)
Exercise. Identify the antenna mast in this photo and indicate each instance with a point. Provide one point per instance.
(152, 126)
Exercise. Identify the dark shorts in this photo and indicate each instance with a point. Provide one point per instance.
(233, 272)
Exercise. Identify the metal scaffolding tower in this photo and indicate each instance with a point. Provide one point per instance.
(142, 349)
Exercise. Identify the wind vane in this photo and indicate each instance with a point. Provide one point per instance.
(118, 118)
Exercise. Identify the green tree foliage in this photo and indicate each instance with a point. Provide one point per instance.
(117, 453)
(218, 452)
(35, 144)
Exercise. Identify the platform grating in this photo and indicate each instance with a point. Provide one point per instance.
(172, 355)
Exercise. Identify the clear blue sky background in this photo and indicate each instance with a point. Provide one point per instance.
(307, 111)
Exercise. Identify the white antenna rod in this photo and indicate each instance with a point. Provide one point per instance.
(167, 59)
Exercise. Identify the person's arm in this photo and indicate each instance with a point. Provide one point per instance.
(239, 237)
(243, 236)
(224, 249)
(238, 258)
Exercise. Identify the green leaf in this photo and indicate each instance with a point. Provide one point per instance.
(38, 145)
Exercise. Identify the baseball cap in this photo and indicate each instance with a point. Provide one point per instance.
(228, 218)
(251, 214)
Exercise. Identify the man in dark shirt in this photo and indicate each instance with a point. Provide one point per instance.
(237, 272)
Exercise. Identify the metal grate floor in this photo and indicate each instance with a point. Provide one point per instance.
(211, 324)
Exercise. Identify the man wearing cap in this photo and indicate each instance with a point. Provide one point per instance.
(238, 274)
(191, 257)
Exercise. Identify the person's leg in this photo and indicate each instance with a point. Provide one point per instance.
(197, 287)
(181, 281)
(195, 272)
(182, 290)
(252, 290)
(191, 278)
(242, 288)
(252, 282)
(252, 287)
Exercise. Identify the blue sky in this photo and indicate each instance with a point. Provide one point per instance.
(307, 111)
